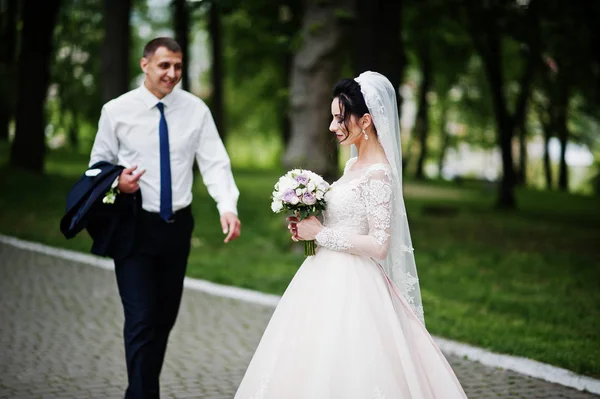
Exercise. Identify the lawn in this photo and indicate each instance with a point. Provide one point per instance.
(524, 283)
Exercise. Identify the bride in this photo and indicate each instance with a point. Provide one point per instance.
(350, 324)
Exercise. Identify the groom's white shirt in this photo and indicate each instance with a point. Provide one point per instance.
(128, 135)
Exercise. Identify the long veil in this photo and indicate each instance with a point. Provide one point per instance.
(399, 265)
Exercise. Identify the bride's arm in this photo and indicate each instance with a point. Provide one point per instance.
(377, 193)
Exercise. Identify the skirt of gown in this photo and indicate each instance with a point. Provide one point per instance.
(343, 331)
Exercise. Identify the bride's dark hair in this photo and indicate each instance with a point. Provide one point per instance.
(351, 101)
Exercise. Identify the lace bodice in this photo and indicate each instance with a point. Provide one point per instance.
(359, 212)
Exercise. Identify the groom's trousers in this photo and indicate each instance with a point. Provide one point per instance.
(150, 282)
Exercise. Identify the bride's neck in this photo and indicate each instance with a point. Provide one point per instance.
(370, 151)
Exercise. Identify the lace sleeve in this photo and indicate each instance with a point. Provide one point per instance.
(377, 194)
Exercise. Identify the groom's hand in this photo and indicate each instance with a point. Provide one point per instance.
(129, 180)
(231, 226)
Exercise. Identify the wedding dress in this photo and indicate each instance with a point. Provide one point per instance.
(350, 325)
(342, 330)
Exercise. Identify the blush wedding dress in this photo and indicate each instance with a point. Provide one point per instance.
(350, 324)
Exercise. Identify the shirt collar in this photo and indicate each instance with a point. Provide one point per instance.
(150, 100)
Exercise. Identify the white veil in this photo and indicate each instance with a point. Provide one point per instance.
(380, 96)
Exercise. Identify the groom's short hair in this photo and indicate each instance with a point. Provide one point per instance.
(154, 44)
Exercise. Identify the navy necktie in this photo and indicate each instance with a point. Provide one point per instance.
(166, 196)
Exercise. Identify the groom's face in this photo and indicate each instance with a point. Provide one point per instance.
(163, 71)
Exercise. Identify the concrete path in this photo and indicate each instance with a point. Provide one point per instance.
(60, 337)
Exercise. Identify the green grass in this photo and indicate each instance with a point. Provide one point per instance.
(525, 283)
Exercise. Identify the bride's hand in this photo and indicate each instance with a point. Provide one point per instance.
(305, 230)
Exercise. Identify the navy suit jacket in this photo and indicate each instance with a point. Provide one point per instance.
(111, 226)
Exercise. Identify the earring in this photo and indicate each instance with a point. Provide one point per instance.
(366, 135)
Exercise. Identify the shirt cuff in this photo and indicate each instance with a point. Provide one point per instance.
(227, 207)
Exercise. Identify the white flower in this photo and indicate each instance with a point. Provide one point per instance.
(276, 206)
(110, 196)
(316, 179)
(320, 195)
(287, 182)
(323, 186)
(293, 200)
(311, 186)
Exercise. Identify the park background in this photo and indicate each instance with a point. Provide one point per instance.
(500, 107)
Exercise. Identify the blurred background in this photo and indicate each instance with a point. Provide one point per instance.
(500, 110)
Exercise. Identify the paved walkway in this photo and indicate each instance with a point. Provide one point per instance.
(60, 337)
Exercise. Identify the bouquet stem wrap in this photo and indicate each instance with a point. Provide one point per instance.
(310, 247)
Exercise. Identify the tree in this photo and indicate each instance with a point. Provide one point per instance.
(540, 105)
(8, 57)
(487, 21)
(75, 72)
(181, 22)
(445, 141)
(115, 51)
(421, 18)
(217, 70)
(451, 78)
(265, 36)
(28, 148)
(316, 67)
(377, 37)
(422, 119)
(572, 68)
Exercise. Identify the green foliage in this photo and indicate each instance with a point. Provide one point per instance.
(315, 28)
(259, 43)
(343, 14)
(75, 71)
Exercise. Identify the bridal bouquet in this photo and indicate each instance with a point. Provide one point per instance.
(303, 193)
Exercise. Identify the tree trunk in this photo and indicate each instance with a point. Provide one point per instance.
(487, 40)
(289, 29)
(74, 131)
(561, 106)
(316, 69)
(407, 154)
(547, 164)
(8, 31)
(115, 49)
(8, 38)
(520, 115)
(504, 125)
(378, 42)
(181, 22)
(29, 147)
(485, 20)
(422, 119)
(522, 172)
(217, 75)
(445, 138)
(286, 123)
(4, 121)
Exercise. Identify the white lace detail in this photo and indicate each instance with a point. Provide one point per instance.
(406, 248)
(359, 213)
(381, 236)
(262, 390)
(418, 309)
(333, 239)
(378, 394)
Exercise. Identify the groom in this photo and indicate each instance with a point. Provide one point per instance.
(156, 132)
